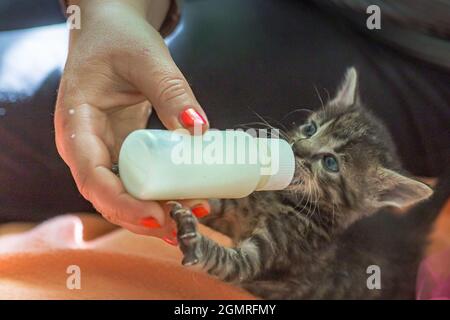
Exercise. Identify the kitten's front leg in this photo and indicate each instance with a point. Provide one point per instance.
(187, 234)
(229, 264)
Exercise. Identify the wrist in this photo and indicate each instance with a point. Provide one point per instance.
(94, 6)
(154, 11)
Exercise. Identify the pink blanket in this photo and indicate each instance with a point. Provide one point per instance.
(433, 281)
(55, 261)
(84, 257)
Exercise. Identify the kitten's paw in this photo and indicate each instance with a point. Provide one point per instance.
(187, 234)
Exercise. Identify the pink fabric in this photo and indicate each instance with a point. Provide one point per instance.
(433, 281)
(34, 259)
(114, 265)
(58, 233)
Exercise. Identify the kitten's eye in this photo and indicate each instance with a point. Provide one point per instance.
(309, 129)
(330, 163)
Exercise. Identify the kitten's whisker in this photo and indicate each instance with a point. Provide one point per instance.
(314, 195)
(268, 124)
(328, 94)
(320, 98)
(309, 198)
(249, 125)
(317, 202)
(297, 110)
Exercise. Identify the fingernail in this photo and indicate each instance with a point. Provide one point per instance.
(174, 233)
(171, 241)
(200, 211)
(150, 222)
(190, 118)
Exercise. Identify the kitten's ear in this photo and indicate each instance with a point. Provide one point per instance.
(347, 93)
(400, 191)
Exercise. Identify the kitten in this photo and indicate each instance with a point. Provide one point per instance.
(303, 242)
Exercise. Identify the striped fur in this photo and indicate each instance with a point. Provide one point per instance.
(293, 244)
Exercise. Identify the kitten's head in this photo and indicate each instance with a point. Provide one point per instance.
(346, 158)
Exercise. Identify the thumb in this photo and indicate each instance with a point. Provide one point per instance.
(160, 80)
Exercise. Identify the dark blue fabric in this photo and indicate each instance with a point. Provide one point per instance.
(241, 58)
(19, 14)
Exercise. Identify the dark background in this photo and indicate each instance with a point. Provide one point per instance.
(242, 58)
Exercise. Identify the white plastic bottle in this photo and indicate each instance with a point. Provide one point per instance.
(171, 165)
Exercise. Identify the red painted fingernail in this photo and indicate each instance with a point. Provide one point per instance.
(200, 211)
(150, 222)
(171, 241)
(190, 118)
(174, 233)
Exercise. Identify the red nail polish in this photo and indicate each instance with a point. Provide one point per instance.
(174, 233)
(200, 211)
(150, 222)
(171, 241)
(190, 118)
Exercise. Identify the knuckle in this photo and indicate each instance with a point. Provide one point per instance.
(171, 88)
(82, 181)
(61, 127)
(114, 215)
(108, 213)
(111, 218)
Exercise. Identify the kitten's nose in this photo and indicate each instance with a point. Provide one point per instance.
(303, 149)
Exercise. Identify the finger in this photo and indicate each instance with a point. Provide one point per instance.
(80, 140)
(200, 208)
(154, 232)
(104, 189)
(159, 79)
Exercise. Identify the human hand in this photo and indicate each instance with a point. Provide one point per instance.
(118, 69)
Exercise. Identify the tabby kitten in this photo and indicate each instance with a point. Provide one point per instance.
(301, 242)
